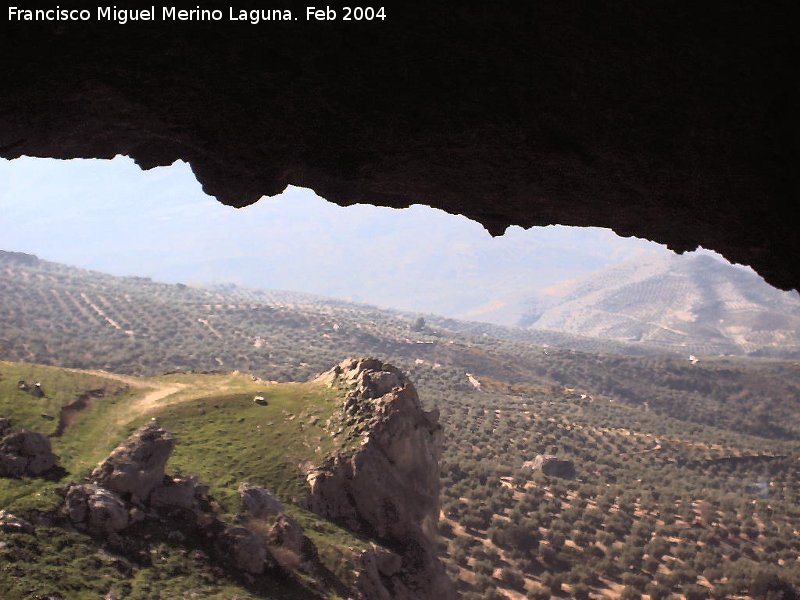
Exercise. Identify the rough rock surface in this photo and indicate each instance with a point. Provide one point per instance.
(136, 466)
(552, 466)
(131, 477)
(247, 551)
(99, 509)
(25, 453)
(130, 486)
(671, 121)
(258, 501)
(385, 481)
(179, 492)
(286, 533)
(12, 524)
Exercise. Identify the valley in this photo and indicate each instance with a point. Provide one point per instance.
(684, 480)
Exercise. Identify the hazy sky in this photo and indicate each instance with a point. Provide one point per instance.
(113, 217)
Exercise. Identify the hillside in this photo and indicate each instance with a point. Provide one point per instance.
(223, 442)
(685, 473)
(693, 303)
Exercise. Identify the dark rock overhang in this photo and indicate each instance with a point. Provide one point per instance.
(673, 121)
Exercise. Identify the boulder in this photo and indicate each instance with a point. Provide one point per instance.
(5, 426)
(76, 503)
(97, 508)
(246, 551)
(259, 502)
(25, 453)
(12, 524)
(551, 466)
(287, 533)
(107, 511)
(136, 466)
(376, 565)
(178, 493)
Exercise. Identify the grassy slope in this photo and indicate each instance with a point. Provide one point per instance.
(223, 437)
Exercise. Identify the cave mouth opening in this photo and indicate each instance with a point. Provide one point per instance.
(110, 216)
(556, 371)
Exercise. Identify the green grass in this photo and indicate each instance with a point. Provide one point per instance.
(61, 387)
(72, 564)
(79, 448)
(229, 439)
(223, 437)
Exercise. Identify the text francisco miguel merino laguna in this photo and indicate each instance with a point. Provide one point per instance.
(172, 13)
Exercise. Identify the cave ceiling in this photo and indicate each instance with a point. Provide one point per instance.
(672, 121)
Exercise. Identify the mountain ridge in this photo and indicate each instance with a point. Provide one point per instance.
(674, 301)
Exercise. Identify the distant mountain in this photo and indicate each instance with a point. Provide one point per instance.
(112, 217)
(694, 301)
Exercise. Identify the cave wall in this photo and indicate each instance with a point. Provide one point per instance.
(670, 120)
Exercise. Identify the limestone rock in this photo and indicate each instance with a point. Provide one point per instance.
(389, 486)
(246, 550)
(12, 524)
(97, 508)
(388, 562)
(287, 533)
(259, 502)
(552, 466)
(25, 453)
(137, 465)
(178, 492)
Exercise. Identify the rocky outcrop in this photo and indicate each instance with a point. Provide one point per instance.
(259, 502)
(284, 537)
(551, 466)
(100, 509)
(24, 452)
(12, 524)
(137, 466)
(247, 550)
(130, 486)
(286, 533)
(384, 482)
(132, 478)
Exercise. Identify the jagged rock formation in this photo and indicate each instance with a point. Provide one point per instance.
(130, 486)
(132, 478)
(137, 466)
(552, 466)
(259, 502)
(24, 452)
(247, 551)
(100, 509)
(385, 480)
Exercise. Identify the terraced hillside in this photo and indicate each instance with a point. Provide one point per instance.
(685, 471)
(657, 507)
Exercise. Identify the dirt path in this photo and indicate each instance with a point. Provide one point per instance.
(145, 403)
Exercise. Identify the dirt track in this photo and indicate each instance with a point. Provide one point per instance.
(141, 404)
